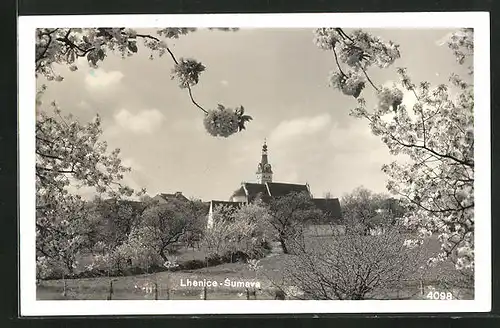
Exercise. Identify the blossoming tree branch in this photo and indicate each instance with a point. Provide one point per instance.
(66, 45)
(436, 134)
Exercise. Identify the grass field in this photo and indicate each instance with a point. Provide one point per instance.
(171, 285)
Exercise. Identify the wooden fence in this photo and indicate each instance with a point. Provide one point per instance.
(155, 291)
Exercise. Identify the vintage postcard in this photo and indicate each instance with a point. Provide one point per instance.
(292, 163)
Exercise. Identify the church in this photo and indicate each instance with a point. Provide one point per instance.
(265, 189)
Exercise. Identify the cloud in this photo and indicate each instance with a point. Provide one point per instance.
(357, 140)
(224, 83)
(302, 126)
(99, 78)
(144, 122)
(188, 125)
(83, 105)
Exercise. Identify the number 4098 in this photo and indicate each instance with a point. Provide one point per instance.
(439, 296)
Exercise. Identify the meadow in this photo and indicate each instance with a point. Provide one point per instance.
(172, 285)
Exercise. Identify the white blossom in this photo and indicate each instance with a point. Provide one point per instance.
(221, 122)
(326, 38)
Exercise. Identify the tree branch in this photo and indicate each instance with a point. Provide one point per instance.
(146, 36)
(42, 55)
(368, 78)
(188, 87)
(49, 156)
(459, 161)
(463, 162)
(54, 170)
(344, 34)
(446, 210)
(194, 102)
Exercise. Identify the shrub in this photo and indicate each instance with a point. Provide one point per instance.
(352, 266)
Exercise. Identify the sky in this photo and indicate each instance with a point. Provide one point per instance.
(279, 76)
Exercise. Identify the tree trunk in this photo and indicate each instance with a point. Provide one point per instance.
(283, 245)
(163, 256)
(69, 266)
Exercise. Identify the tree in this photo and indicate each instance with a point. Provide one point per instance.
(145, 233)
(369, 210)
(117, 218)
(352, 266)
(198, 211)
(289, 214)
(163, 225)
(216, 237)
(257, 214)
(226, 233)
(436, 135)
(61, 234)
(237, 231)
(70, 155)
(65, 45)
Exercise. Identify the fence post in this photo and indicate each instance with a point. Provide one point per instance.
(248, 294)
(110, 296)
(64, 287)
(421, 287)
(156, 291)
(204, 292)
(168, 286)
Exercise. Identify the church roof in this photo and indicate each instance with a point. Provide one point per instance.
(269, 189)
(277, 189)
(254, 190)
(330, 206)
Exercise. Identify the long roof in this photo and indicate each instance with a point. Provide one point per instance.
(329, 206)
(269, 190)
(253, 190)
(278, 189)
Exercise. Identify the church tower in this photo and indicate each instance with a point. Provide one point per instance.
(264, 171)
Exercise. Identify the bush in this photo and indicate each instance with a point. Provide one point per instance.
(47, 268)
(352, 266)
(234, 233)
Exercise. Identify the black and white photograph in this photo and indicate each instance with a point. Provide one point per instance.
(278, 163)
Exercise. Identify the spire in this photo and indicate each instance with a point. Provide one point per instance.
(264, 170)
(263, 159)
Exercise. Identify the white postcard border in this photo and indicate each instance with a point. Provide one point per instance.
(480, 21)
